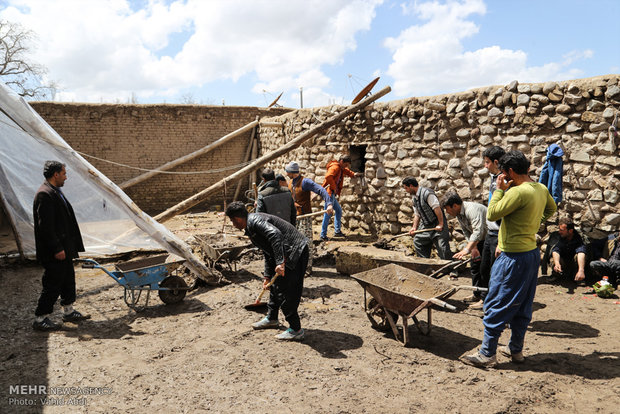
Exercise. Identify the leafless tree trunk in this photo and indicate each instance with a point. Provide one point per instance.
(21, 75)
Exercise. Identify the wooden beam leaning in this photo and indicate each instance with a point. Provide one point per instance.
(169, 165)
(199, 197)
(246, 158)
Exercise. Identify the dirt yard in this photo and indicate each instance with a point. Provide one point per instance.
(202, 355)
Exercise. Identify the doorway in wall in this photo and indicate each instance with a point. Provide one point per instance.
(358, 157)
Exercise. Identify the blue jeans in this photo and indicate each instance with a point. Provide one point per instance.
(511, 293)
(337, 217)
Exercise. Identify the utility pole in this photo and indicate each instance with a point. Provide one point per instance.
(301, 96)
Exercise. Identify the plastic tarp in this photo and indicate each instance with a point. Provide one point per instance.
(105, 225)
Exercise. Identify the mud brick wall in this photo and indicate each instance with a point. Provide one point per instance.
(147, 136)
(440, 139)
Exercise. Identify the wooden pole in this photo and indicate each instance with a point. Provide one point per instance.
(246, 158)
(199, 197)
(252, 176)
(4, 206)
(169, 165)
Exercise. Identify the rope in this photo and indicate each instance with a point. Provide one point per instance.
(213, 171)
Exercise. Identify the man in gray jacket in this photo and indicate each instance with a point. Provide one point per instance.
(428, 212)
(286, 254)
(472, 218)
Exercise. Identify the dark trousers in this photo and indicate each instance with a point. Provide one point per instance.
(286, 293)
(423, 243)
(487, 258)
(476, 274)
(58, 280)
(610, 268)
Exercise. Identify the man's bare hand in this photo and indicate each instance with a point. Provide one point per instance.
(412, 232)
(330, 210)
(280, 269)
(580, 275)
(60, 255)
(501, 182)
(461, 254)
(557, 267)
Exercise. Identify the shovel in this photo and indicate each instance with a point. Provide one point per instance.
(383, 242)
(257, 303)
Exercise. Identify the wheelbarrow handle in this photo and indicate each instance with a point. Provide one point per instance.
(442, 304)
(472, 288)
(88, 263)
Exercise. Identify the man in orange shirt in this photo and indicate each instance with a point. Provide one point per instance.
(334, 178)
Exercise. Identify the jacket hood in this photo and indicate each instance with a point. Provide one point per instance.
(554, 151)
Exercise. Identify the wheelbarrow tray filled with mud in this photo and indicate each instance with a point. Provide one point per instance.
(398, 291)
(152, 273)
(217, 254)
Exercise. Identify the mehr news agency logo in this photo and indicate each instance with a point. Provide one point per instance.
(39, 395)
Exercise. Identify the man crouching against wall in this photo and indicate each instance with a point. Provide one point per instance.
(286, 257)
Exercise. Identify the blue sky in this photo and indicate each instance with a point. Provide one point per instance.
(242, 52)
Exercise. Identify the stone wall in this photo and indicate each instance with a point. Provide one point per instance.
(147, 136)
(440, 139)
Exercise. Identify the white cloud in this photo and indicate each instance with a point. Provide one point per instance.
(430, 59)
(104, 50)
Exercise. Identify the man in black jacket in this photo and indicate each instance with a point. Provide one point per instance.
(274, 199)
(58, 241)
(286, 254)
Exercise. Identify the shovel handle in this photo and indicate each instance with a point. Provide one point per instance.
(271, 282)
(316, 213)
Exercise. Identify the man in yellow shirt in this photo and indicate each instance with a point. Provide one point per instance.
(514, 274)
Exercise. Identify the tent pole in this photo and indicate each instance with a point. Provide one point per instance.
(4, 202)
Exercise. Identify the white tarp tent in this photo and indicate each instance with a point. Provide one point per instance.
(109, 221)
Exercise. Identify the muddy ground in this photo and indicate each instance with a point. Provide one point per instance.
(202, 356)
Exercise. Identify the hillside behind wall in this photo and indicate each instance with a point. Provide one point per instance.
(148, 136)
(440, 139)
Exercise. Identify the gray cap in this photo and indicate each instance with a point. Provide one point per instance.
(292, 167)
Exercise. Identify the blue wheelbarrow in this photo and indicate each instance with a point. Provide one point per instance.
(152, 273)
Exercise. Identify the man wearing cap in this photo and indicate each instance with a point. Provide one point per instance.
(301, 188)
(58, 241)
(274, 199)
(334, 178)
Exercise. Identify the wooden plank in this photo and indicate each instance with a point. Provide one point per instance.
(296, 142)
(246, 158)
(174, 163)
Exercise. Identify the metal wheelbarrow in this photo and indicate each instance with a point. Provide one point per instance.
(227, 254)
(398, 291)
(152, 273)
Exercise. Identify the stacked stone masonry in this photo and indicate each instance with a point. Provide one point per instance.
(440, 140)
(148, 136)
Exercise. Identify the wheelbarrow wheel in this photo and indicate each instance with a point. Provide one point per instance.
(178, 289)
(377, 316)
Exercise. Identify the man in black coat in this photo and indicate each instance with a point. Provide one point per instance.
(58, 241)
(286, 254)
(276, 200)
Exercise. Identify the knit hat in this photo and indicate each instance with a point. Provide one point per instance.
(292, 167)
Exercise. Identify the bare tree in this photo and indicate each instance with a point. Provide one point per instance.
(188, 99)
(16, 70)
